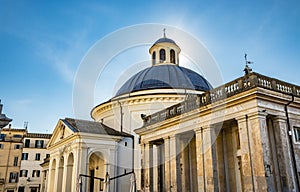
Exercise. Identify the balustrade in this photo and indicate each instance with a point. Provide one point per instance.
(220, 93)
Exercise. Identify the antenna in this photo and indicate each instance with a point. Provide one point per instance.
(247, 69)
(25, 124)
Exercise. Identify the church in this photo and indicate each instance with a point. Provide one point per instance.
(168, 129)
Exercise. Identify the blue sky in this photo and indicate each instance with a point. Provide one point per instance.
(43, 42)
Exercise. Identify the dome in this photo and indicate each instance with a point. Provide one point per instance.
(164, 40)
(165, 77)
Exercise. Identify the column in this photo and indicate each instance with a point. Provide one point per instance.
(64, 178)
(154, 167)
(200, 160)
(245, 152)
(59, 173)
(81, 163)
(147, 165)
(259, 145)
(173, 163)
(208, 146)
(283, 148)
(52, 173)
(167, 175)
(110, 165)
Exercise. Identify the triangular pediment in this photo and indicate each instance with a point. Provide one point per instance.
(61, 131)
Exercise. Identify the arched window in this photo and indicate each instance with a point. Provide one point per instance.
(153, 57)
(162, 55)
(172, 56)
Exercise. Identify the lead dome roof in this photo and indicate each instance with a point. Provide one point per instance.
(164, 74)
(165, 77)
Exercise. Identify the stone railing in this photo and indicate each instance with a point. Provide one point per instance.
(220, 93)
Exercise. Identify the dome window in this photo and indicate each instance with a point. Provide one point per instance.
(153, 57)
(162, 55)
(172, 56)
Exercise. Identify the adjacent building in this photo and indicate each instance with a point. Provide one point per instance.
(21, 154)
(83, 152)
(11, 143)
(33, 154)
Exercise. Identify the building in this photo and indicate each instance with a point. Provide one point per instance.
(81, 150)
(33, 154)
(178, 133)
(242, 136)
(11, 143)
(163, 84)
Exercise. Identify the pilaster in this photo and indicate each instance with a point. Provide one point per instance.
(283, 148)
(147, 166)
(64, 178)
(211, 179)
(246, 154)
(200, 160)
(173, 163)
(51, 185)
(167, 184)
(259, 143)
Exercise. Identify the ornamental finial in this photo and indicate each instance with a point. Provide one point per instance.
(247, 69)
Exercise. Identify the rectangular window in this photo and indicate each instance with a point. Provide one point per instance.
(17, 146)
(47, 155)
(23, 173)
(39, 143)
(33, 173)
(24, 156)
(1, 146)
(237, 136)
(297, 134)
(38, 172)
(2, 137)
(17, 136)
(37, 156)
(27, 143)
(13, 177)
(16, 161)
(21, 189)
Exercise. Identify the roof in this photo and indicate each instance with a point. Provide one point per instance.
(164, 40)
(38, 135)
(85, 126)
(165, 77)
(14, 129)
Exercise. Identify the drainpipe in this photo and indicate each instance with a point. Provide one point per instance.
(133, 140)
(133, 153)
(294, 165)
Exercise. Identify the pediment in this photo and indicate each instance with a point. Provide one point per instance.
(60, 132)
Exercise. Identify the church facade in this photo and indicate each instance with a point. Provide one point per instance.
(175, 132)
(242, 136)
